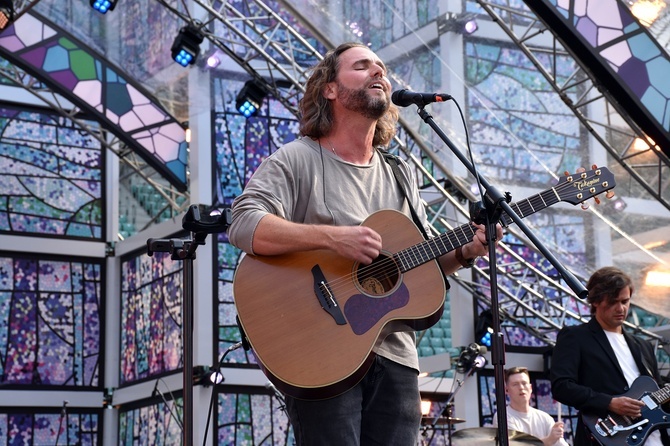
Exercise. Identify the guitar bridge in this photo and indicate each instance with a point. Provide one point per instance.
(606, 427)
(325, 296)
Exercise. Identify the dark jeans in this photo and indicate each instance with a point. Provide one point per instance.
(383, 409)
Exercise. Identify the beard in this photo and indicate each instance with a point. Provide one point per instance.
(358, 100)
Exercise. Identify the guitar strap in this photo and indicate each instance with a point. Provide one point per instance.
(393, 161)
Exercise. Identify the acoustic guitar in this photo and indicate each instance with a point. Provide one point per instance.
(313, 318)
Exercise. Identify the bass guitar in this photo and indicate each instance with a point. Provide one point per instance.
(617, 430)
(313, 318)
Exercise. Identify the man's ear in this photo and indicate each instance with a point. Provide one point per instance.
(330, 90)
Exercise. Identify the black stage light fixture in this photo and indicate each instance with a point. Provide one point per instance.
(205, 375)
(102, 6)
(250, 98)
(186, 45)
(484, 329)
(457, 23)
(6, 13)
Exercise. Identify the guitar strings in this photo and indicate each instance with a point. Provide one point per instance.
(388, 266)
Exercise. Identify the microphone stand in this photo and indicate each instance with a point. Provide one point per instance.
(493, 206)
(200, 223)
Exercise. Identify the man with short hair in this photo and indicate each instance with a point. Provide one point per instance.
(522, 417)
(595, 364)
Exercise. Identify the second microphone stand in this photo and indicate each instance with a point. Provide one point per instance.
(200, 223)
(492, 206)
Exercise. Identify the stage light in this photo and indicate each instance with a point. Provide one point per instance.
(213, 61)
(484, 329)
(470, 26)
(657, 278)
(250, 98)
(618, 204)
(186, 45)
(457, 23)
(6, 13)
(102, 6)
(205, 375)
(425, 407)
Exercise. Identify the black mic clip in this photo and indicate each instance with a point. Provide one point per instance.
(200, 219)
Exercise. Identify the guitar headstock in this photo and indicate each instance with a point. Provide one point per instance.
(578, 187)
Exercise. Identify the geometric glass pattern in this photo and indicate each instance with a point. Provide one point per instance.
(51, 176)
(50, 312)
(39, 427)
(240, 146)
(151, 295)
(622, 54)
(121, 105)
(507, 96)
(504, 83)
(540, 399)
(144, 55)
(156, 424)
(252, 419)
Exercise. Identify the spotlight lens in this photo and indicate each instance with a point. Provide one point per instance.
(486, 339)
(102, 6)
(248, 109)
(183, 57)
(470, 26)
(213, 61)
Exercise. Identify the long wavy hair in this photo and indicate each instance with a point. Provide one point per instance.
(606, 284)
(316, 114)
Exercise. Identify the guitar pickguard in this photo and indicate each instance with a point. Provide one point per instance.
(382, 292)
(363, 312)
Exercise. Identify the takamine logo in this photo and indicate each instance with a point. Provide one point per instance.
(585, 184)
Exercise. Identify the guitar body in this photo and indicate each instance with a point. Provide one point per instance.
(616, 430)
(310, 353)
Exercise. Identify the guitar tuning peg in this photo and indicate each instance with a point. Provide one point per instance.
(609, 194)
(585, 205)
(594, 167)
(566, 173)
(597, 200)
(580, 170)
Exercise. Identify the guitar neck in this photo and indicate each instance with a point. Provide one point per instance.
(428, 250)
(662, 395)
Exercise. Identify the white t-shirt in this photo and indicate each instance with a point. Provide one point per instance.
(534, 422)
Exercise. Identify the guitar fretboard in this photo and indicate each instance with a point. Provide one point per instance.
(425, 251)
(662, 395)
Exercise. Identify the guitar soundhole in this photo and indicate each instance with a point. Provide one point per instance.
(378, 278)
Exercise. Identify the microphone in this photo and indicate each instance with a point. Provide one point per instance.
(155, 391)
(404, 98)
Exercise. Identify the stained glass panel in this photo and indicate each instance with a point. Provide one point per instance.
(36, 428)
(51, 176)
(50, 315)
(151, 295)
(155, 424)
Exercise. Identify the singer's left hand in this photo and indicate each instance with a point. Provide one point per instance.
(479, 247)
